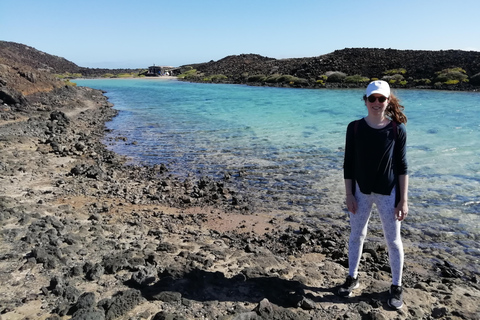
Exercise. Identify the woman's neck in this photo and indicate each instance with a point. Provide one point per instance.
(377, 122)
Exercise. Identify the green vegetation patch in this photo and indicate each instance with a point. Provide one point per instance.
(396, 78)
(273, 78)
(189, 74)
(395, 71)
(335, 76)
(257, 78)
(70, 83)
(323, 78)
(125, 75)
(215, 78)
(451, 76)
(285, 78)
(356, 79)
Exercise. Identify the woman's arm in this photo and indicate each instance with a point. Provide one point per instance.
(351, 201)
(349, 168)
(401, 211)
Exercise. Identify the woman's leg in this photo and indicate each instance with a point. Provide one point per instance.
(391, 231)
(358, 230)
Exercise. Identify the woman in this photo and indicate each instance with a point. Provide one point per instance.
(375, 172)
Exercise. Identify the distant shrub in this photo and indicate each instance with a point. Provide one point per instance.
(124, 75)
(300, 81)
(188, 72)
(452, 81)
(292, 80)
(320, 82)
(193, 76)
(394, 78)
(257, 78)
(215, 78)
(373, 79)
(108, 75)
(323, 77)
(475, 79)
(356, 79)
(403, 82)
(273, 78)
(454, 70)
(395, 71)
(70, 84)
(448, 75)
(335, 76)
(185, 69)
(285, 78)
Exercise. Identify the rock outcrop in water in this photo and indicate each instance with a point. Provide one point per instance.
(84, 236)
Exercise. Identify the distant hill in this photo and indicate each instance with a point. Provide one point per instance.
(402, 68)
(25, 70)
(28, 56)
(351, 67)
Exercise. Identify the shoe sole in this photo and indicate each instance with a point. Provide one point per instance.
(393, 307)
(350, 294)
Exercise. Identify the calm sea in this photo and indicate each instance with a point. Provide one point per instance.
(288, 143)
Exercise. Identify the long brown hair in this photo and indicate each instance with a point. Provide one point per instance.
(394, 109)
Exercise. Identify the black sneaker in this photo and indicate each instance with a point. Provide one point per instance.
(346, 289)
(395, 301)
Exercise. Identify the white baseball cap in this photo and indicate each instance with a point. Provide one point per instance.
(380, 87)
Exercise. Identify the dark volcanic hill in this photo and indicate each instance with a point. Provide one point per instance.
(25, 70)
(27, 56)
(416, 68)
(368, 63)
(21, 54)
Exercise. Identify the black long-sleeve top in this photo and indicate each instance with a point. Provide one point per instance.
(374, 158)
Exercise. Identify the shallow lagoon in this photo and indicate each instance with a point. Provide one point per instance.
(286, 146)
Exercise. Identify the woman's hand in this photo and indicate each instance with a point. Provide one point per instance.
(351, 203)
(401, 211)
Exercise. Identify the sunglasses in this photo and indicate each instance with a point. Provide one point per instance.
(380, 99)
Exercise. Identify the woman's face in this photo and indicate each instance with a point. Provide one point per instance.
(376, 107)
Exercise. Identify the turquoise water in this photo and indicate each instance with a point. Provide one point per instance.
(288, 143)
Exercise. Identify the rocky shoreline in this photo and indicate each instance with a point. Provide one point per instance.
(84, 236)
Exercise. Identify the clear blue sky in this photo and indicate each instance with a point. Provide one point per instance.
(139, 33)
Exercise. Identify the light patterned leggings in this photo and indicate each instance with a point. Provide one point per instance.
(391, 230)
